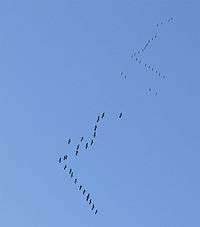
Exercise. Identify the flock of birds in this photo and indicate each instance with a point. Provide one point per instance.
(137, 55)
(84, 144)
(77, 149)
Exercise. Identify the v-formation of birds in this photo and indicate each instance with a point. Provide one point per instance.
(137, 56)
(84, 145)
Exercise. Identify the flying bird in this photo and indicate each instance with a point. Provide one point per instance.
(98, 118)
(80, 187)
(60, 159)
(65, 157)
(72, 174)
(95, 127)
(65, 167)
(77, 147)
(94, 135)
(92, 207)
(69, 141)
(120, 116)
(88, 196)
(76, 152)
(90, 201)
(96, 211)
(81, 138)
(86, 145)
(70, 171)
(75, 181)
(102, 116)
(92, 141)
(84, 191)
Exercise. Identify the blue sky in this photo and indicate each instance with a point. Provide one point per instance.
(60, 64)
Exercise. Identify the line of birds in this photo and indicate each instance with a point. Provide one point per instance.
(81, 188)
(136, 56)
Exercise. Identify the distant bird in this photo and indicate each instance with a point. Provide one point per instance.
(121, 73)
(138, 52)
(88, 196)
(149, 66)
(72, 174)
(149, 89)
(90, 201)
(152, 69)
(92, 141)
(84, 191)
(145, 65)
(60, 159)
(86, 145)
(136, 59)
(95, 127)
(80, 187)
(65, 157)
(65, 167)
(96, 211)
(81, 138)
(77, 147)
(120, 115)
(103, 114)
(69, 141)
(156, 71)
(156, 93)
(92, 207)
(75, 181)
(70, 171)
(159, 74)
(76, 152)
(98, 118)
(94, 135)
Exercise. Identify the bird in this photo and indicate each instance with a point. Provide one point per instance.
(92, 207)
(72, 174)
(120, 115)
(70, 171)
(69, 141)
(88, 196)
(80, 187)
(76, 152)
(102, 116)
(121, 73)
(96, 211)
(98, 118)
(149, 89)
(95, 127)
(60, 159)
(65, 157)
(77, 147)
(81, 138)
(92, 141)
(84, 191)
(90, 201)
(156, 93)
(86, 145)
(94, 135)
(65, 167)
(75, 181)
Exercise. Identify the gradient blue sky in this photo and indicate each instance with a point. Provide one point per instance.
(60, 64)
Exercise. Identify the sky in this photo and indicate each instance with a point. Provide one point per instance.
(60, 67)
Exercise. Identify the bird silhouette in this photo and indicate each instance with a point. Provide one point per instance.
(77, 147)
(70, 171)
(88, 196)
(96, 211)
(75, 181)
(84, 191)
(94, 135)
(69, 141)
(92, 207)
(81, 138)
(102, 116)
(65, 167)
(98, 118)
(86, 145)
(120, 116)
(76, 152)
(60, 159)
(65, 157)
(95, 127)
(72, 174)
(90, 201)
(80, 187)
(92, 141)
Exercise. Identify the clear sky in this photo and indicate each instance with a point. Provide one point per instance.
(60, 64)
